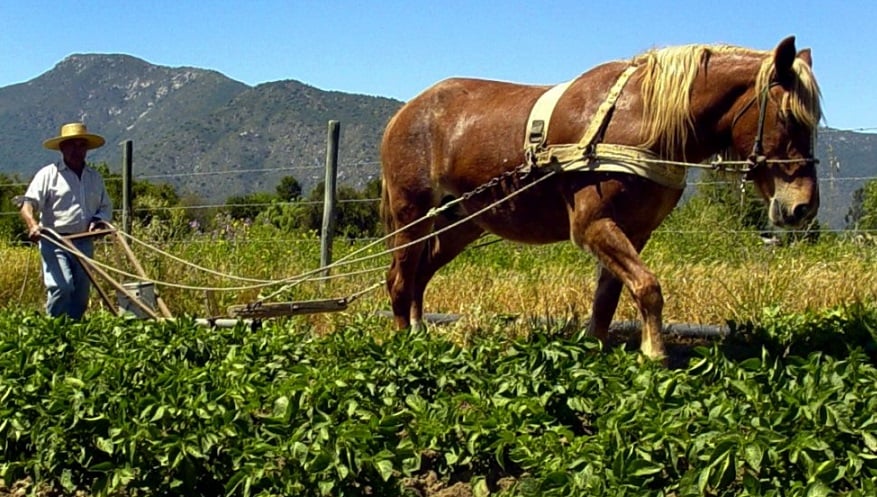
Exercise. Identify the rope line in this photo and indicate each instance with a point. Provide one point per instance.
(235, 277)
(435, 211)
(187, 263)
(120, 272)
(157, 282)
(360, 293)
(349, 299)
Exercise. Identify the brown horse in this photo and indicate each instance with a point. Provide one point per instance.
(682, 104)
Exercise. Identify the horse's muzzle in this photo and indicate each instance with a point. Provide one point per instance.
(794, 216)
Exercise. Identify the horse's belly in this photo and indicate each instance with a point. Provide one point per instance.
(526, 222)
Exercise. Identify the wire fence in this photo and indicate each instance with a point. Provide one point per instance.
(832, 200)
(689, 185)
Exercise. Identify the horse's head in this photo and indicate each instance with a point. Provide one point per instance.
(776, 129)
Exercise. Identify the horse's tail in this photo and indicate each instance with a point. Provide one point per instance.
(386, 213)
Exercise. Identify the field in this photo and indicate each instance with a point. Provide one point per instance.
(512, 399)
(708, 276)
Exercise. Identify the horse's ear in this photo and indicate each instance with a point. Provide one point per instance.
(806, 57)
(783, 57)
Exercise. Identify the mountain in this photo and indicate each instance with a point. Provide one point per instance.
(849, 160)
(187, 124)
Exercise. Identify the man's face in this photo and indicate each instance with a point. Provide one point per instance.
(74, 151)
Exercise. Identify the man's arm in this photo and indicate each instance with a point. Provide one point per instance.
(27, 214)
(31, 201)
(104, 211)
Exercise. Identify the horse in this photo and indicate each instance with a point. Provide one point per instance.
(454, 164)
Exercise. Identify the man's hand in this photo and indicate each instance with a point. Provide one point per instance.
(33, 233)
(97, 224)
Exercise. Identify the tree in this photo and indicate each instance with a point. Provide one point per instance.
(248, 206)
(356, 215)
(153, 203)
(863, 210)
(112, 181)
(12, 228)
(289, 189)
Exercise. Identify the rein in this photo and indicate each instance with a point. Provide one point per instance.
(757, 158)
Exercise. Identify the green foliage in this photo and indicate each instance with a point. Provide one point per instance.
(11, 225)
(701, 229)
(248, 206)
(288, 217)
(143, 408)
(735, 200)
(157, 206)
(801, 334)
(356, 212)
(863, 211)
(289, 189)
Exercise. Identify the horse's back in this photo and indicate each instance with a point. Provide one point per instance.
(453, 104)
(460, 113)
(456, 123)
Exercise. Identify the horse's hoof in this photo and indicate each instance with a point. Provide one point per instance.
(653, 352)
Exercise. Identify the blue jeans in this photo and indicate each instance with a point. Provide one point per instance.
(67, 283)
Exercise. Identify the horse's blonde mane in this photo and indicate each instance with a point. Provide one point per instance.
(803, 101)
(669, 73)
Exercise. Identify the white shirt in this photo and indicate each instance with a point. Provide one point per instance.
(66, 202)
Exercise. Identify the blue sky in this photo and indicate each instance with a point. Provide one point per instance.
(397, 48)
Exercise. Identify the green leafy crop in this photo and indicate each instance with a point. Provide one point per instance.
(116, 407)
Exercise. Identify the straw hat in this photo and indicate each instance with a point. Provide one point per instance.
(74, 130)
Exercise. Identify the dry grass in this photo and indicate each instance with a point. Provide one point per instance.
(21, 282)
(707, 292)
(503, 283)
(719, 291)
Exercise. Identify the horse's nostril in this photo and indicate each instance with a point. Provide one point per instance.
(801, 211)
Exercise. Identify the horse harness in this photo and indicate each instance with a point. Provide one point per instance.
(590, 154)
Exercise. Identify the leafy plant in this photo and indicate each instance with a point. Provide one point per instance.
(114, 406)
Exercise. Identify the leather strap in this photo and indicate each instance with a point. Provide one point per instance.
(589, 154)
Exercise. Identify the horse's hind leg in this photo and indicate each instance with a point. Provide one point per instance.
(440, 250)
(402, 275)
(606, 298)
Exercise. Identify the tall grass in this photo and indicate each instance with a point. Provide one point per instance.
(710, 270)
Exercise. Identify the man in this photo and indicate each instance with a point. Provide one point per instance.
(70, 198)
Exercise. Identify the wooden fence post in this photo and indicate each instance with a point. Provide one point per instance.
(329, 201)
(127, 186)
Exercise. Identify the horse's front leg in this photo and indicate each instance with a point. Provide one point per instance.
(619, 256)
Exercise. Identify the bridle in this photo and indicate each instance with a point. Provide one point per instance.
(756, 158)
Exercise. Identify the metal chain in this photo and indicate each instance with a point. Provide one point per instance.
(496, 180)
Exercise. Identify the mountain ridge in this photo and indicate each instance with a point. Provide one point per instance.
(188, 123)
(185, 122)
